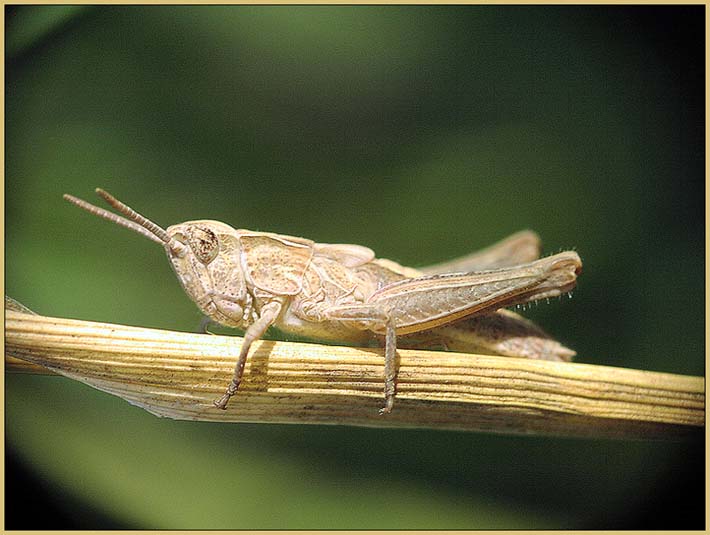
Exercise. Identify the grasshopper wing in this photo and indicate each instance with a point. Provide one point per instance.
(518, 248)
(275, 263)
(429, 301)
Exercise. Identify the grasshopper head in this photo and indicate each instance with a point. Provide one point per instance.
(204, 255)
(207, 265)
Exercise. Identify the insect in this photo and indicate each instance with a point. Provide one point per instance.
(341, 292)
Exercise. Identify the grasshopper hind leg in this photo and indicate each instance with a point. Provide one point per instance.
(503, 333)
(433, 302)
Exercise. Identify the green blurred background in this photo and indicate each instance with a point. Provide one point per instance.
(422, 132)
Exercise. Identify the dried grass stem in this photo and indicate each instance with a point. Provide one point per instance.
(178, 375)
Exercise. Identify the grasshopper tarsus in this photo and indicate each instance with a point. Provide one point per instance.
(221, 403)
(389, 403)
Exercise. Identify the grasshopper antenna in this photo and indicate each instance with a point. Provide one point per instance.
(135, 222)
(131, 214)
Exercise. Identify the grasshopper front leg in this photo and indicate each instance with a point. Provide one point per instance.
(256, 330)
(423, 303)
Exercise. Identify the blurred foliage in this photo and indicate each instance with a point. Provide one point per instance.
(423, 132)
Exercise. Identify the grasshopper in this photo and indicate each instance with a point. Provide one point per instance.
(341, 292)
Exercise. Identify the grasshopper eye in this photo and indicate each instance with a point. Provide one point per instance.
(179, 236)
(204, 243)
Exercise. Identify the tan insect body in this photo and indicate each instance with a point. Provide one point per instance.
(341, 292)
